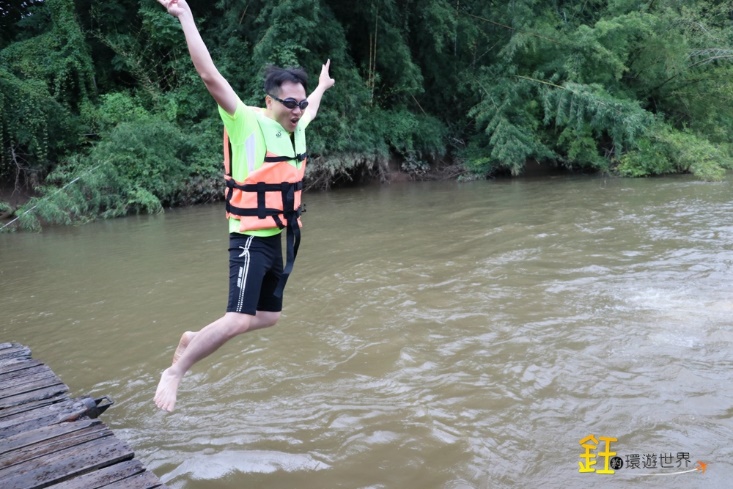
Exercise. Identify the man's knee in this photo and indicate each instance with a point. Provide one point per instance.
(238, 323)
(267, 318)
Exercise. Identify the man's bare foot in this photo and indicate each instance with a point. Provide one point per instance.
(165, 395)
(185, 340)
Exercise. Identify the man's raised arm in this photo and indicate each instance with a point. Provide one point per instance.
(215, 83)
(324, 83)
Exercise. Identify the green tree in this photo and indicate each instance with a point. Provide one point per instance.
(44, 82)
(625, 87)
(605, 78)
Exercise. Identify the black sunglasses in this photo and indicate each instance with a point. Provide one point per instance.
(291, 103)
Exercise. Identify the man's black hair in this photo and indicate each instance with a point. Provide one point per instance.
(276, 76)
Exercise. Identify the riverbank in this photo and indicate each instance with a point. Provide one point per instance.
(10, 200)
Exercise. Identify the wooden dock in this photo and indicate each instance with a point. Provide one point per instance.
(50, 440)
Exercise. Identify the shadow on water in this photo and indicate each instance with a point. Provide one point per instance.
(435, 335)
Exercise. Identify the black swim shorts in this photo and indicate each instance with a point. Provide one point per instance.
(255, 267)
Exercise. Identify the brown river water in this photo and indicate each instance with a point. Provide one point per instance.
(435, 335)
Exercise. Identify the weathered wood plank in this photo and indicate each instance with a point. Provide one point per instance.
(66, 410)
(104, 477)
(19, 374)
(18, 364)
(37, 383)
(13, 410)
(12, 356)
(15, 352)
(54, 391)
(65, 464)
(47, 439)
(50, 446)
(145, 480)
(44, 433)
(35, 412)
(15, 347)
(29, 382)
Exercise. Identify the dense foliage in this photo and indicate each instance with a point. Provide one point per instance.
(102, 113)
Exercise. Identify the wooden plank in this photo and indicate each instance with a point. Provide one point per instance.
(47, 439)
(18, 364)
(54, 391)
(29, 387)
(15, 347)
(15, 352)
(103, 477)
(12, 357)
(17, 375)
(66, 410)
(145, 480)
(65, 464)
(37, 418)
(49, 446)
(35, 412)
(11, 411)
(30, 382)
(40, 435)
(33, 383)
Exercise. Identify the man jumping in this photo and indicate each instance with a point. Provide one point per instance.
(264, 180)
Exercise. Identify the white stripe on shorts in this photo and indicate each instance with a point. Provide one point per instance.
(243, 271)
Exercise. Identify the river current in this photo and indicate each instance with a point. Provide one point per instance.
(434, 335)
